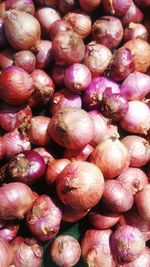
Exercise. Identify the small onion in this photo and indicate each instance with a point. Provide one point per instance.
(135, 30)
(79, 154)
(142, 260)
(16, 200)
(6, 58)
(116, 7)
(21, 5)
(25, 59)
(6, 253)
(44, 55)
(72, 215)
(134, 14)
(3, 38)
(57, 73)
(45, 153)
(141, 201)
(65, 6)
(59, 26)
(9, 230)
(89, 5)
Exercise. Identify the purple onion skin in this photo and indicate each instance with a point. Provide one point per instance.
(44, 55)
(92, 96)
(116, 7)
(136, 86)
(135, 30)
(21, 5)
(142, 260)
(134, 14)
(9, 231)
(143, 3)
(3, 38)
(127, 244)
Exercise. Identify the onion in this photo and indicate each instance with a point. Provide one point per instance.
(116, 7)
(136, 86)
(65, 6)
(143, 3)
(12, 117)
(141, 200)
(135, 121)
(43, 89)
(9, 231)
(116, 197)
(65, 251)
(96, 248)
(46, 16)
(134, 14)
(2, 149)
(133, 179)
(21, 5)
(80, 185)
(22, 30)
(50, 3)
(92, 96)
(71, 215)
(141, 53)
(2, 9)
(127, 243)
(6, 253)
(55, 167)
(27, 252)
(89, 5)
(38, 130)
(80, 22)
(57, 73)
(139, 150)
(16, 85)
(71, 128)
(63, 99)
(6, 58)
(108, 31)
(77, 77)
(15, 201)
(27, 167)
(68, 48)
(97, 58)
(44, 218)
(135, 30)
(44, 55)
(111, 156)
(59, 26)
(79, 154)
(142, 260)
(103, 128)
(3, 38)
(45, 153)
(15, 142)
(25, 59)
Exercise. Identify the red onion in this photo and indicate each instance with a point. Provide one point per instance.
(96, 248)
(45, 153)
(65, 6)
(116, 197)
(6, 58)
(116, 7)
(141, 53)
(27, 167)
(2, 9)
(22, 30)
(71, 128)
(44, 218)
(143, 3)
(2, 149)
(80, 22)
(111, 156)
(133, 179)
(38, 130)
(57, 73)
(12, 117)
(77, 77)
(127, 243)
(35, 195)
(97, 58)
(59, 26)
(115, 106)
(141, 201)
(3, 38)
(21, 5)
(55, 167)
(135, 30)
(108, 31)
(134, 14)
(27, 252)
(15, 201)
(65, 250)
(6, 253)
(63, 99)
(89, 5)
(9, 231)
(139, 150)
(15, 142)
(92, 96)
(142, 260)
(79, 154)
(43, 89)
(136, 86)
(25, 59)
(51, 3)
(68, 48)
(135, 121)
(103, 128)
(44, 55)
(71, 215)
(46, 16)
(80, 185)
(16, 85)
(121, 65)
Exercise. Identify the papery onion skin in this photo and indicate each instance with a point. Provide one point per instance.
(16, 200)
(80, 185)
(6, 58)
(59, 26)
(89, 6)
(27, 252)
(45, 153)
(135, 30)
(21, 5)
(25, 59)
(142, 260)
(44, 55)
(139, 150)
(81, 154)
(116, 7)
(133, 179)
(3, 38)
(127, 243)
(71, 128)
(57, 73)
(66, 6)
(134, 14)
(141, 200)
(116, 197)
(71, 215)
(22, 30)
(2, 149)
(6, 251)
(44, 218)
(135, 121)
(9, 231)
(111, 156)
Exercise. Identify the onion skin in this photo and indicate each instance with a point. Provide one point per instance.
(44, 55)
(9, 231)
(16, 200)
(81, 154)
(141, 199)
(3, 38)
(66, 6)
(134, 14)
(65, 251)
(6, 251)
(21, 5)
(59, 26)
(45, 153)
(6, 58)
(89, 6)
(2, 149)
(22, 30)
(25, 59)
(111, 156)
(135, 30)
(71, 215)
(57, 73)
(80, 185)
(116, 7)
(142, 260)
